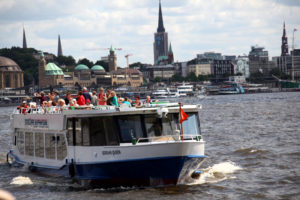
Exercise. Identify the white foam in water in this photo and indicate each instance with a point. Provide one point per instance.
(21, 180)
(217, 173)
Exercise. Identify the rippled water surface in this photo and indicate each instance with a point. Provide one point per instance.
(253, 145)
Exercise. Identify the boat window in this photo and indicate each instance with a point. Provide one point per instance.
(29, 143)
(85, 128)
(70, 132)
(39, 145)
(78, 134)
(50, 145)
(20, 142)
(130, 127)
(191, 126)
(61, 146)
(103, 131)
(161, 126)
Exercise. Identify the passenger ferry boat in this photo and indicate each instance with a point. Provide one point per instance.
(110, 146)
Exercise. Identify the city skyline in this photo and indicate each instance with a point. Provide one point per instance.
(227, 27)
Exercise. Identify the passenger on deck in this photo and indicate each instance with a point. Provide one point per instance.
(32, 108)
(88, 104)
(53, 96)
(102, 97)
(94, 98)
(126, 102)
(60, 104)
(113, 99)
(137, 102)
(68, 98)
(86, 94)
(148, 100)
(41, 97)
(23, 107)
(73, 104)
(80, 99)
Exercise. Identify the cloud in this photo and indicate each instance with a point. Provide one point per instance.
(194, 26)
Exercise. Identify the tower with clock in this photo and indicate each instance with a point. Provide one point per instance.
(160, 45)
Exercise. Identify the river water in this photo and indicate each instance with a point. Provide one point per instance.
(252, 141)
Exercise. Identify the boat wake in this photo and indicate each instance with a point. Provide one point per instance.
(21, 180)
(216, 173)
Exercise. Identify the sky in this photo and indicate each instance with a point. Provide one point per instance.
(229, 27)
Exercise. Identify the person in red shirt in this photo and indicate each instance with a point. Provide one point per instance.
(23, 108)
(80, 99)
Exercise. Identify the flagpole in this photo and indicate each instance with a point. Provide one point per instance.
(180, 120)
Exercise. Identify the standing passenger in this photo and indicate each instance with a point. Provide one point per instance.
(102, 97)
(80, 99)
(86, 94)
(94, 98)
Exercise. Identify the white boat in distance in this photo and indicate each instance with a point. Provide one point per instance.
(185, 90)
(109, 146)
(165, 93)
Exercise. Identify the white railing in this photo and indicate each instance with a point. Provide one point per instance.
(168, 138)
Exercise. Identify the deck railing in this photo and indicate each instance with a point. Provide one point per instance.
(167, 138)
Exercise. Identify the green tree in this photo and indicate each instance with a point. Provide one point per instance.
(257, 77)
(65, 60)
(191, 77)
(86, 62)
(202, 77)
(177, 78)
(157, 79)
(103, 64)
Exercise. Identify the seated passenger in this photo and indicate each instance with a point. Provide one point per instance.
(88, 104)
(148, 100)
(60, 105)
(126, 103)
(73, 104)
(23, 107)
(137, 102)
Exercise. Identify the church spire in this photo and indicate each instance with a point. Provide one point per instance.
(59, 49)
(284, 42)
(24, 39)
(160, 27)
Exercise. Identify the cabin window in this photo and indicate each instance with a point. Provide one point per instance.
(78, 134)
(103, 131)
(20, 142)
(191, 125)
(85, 130)
(50, 145)
(61, 146)
(130, 127)
(39, 145)
(29, 146)
(70, 132)
(161, 126)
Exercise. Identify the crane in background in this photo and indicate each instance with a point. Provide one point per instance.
(127, 59)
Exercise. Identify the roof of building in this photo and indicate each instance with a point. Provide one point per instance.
(161, 58)
(97, 68)
(53, 69)
(127, 71)
(81, 67)
(7, 64)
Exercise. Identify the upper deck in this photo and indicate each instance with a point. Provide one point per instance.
(54, 118)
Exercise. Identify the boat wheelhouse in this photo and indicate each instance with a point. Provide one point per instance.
(110, 146)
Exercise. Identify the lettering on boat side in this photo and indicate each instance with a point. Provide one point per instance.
(36, 123)
(112, 152)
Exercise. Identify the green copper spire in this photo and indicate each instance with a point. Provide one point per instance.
(170, 48)
(111, 48)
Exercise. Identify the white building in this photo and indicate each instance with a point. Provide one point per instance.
(242, 66)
